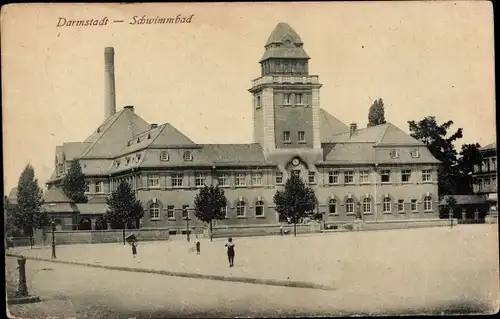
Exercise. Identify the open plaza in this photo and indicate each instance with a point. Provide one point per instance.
(431, 270)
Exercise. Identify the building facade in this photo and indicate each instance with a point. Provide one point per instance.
(380, 171)
(485, 177)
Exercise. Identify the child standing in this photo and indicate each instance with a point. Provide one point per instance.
(198, 246)
(230, 251)
(134, 249)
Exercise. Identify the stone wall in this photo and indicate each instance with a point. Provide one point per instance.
(262, 230)
(106, 236)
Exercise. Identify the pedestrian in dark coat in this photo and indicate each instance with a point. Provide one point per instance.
(230, 251)
(134, 249)
(198, 246)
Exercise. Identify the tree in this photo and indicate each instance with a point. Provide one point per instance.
(10, 228)
(28, 213)
(208, 205)
(376, 114)
(101, 223)
(469, 157)
(451, 205)
(295, 201)
(123, 209)
(441, 147)
(73, 184)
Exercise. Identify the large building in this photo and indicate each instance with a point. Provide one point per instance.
(379, 171)
(486, 178)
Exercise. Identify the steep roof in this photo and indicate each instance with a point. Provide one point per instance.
(56, 195)
(12, 197)
(491, 146)
(108, 140)
(74, 150)
(395, 136)
(330, 125)
(282, 31)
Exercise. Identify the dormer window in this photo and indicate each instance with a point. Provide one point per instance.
(149, 136)
(117, 163)
(415, 153)
(164, 156)
(394, 154)
(188, 156)
(127, 160)
(138, 140)
(128, 143)
(98, 130)
(138, 157)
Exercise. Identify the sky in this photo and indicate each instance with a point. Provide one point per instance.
(422, 58)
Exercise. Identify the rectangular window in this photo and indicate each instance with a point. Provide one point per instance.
(349, 177)
(87, 187)
(259, 209)
(185, 211)
(413, 205)
(493, 163)
(405, 175)
(287, 98)
(426, 175)
(401, 205)
(170, 212)
(240, 179)
(224, 211)
(99, 187)
(427, 203)
(257, 178)
(333, 177)
(298, 99)
(154, 211)
(177, 180)
(154, 180)
(199, 180)
(312, 177)
(385, 176)
(258, 101)
(279, 178)
(363, 177)
(286, 136)
(302, 136)
(223, 180)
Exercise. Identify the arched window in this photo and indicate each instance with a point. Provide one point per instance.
(240, 208)
(259, 208)
(332, 206)
(367, 205)
(386, 207)
(188, 156)
(349, 206)
(427, 203)
(154, 211)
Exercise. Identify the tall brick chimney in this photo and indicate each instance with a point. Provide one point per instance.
(109, 82)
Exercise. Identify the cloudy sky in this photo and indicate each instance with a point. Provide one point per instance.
(432, 58)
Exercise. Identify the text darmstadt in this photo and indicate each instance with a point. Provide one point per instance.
(63, 22)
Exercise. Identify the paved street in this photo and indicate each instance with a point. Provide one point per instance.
(418, 270)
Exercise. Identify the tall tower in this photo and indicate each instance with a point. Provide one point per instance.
(109, 82)
(285, 97)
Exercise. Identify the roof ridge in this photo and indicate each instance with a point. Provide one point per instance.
(159, 133)
(104, 132)
(385, 132)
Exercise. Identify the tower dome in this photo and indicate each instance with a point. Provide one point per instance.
(284, 43)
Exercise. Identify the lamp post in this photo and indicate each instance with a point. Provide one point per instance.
(53, 239)
(451, 217)
(187, 227)
(375, 192)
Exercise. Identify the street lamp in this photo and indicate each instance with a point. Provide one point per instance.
(375, 192)
(53, 239)
(187, 223)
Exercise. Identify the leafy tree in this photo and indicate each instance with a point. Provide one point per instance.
(376, 114)
(73, 184)
(208, 205)
(10, 228)
(123, 209)
(101, 223)
(441, 147)
(451, 205)
(295, 201)
(28, 213)
(469, 157)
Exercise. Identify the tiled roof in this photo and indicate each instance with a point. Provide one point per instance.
(291, 53)
(60, 208)
(281, 30)
(97, 199)
(56, 195)
(330, 125)
(350, 153)
(74, 149)
(395, 136)
(465, 199)
(110, 138)
(92, 209)
(491, 146)
(95, 166)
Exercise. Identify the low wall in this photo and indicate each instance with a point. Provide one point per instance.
(262, 230)
(106, 236)
(404, 224)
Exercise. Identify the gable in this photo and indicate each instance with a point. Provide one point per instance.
(330, 125)
(395, 136)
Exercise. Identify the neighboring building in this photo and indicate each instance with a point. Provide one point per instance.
(486, 177)
(380, 171)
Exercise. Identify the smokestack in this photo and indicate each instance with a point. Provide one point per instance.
(109, 82)
(353, 128)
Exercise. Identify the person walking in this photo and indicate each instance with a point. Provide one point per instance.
(198, 245)
(134, 249)
(230, 251)
(281, 230)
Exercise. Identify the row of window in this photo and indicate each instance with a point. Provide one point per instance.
(99, 187)
(286, 66)
(488, 164)
(385, 176)
(241, 209)
(301, 137)
(386, 205)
